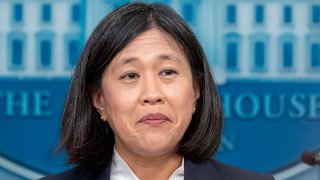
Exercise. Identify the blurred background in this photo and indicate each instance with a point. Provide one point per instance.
(265, 56)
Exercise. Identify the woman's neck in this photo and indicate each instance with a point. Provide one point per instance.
(152, 167)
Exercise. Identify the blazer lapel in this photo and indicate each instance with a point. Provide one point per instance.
(203, 171)
(105, 174)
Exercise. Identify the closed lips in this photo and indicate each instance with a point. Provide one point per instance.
(154, 117)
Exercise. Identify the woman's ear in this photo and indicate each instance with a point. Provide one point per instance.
(97, 100)
(196, 88)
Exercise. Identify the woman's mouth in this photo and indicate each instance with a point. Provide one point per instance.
(154, 119)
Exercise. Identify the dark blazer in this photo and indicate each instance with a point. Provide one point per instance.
(210, 169)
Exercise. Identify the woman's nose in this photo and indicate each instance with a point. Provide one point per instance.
(152, 100)
(151, 94)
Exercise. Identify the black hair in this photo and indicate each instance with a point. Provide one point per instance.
(86, 139)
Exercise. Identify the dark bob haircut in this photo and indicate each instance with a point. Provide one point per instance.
(87, 140)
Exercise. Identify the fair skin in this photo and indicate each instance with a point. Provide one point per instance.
(147, 96)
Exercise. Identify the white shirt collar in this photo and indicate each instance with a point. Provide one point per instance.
(121, 171)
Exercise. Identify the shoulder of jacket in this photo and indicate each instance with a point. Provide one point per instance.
(73, 173)
(230, 172)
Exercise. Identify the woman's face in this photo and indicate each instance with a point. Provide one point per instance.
(147, 95)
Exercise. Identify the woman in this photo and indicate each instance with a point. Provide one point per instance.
(143, 103)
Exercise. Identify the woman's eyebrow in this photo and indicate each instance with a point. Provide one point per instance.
(169, 57)
(125, 61)
(133, 59)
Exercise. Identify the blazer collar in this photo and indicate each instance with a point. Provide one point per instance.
(203, 170)
(192, 171)
(105, 174)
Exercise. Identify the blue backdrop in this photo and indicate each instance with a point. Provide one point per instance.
(265, 56)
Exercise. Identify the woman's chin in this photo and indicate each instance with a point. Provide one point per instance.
(156, 150)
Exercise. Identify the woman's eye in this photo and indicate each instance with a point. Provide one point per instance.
(168, 72)
(130, 76)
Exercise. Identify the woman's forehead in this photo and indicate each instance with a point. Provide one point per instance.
(152, 36)
(147, 43)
